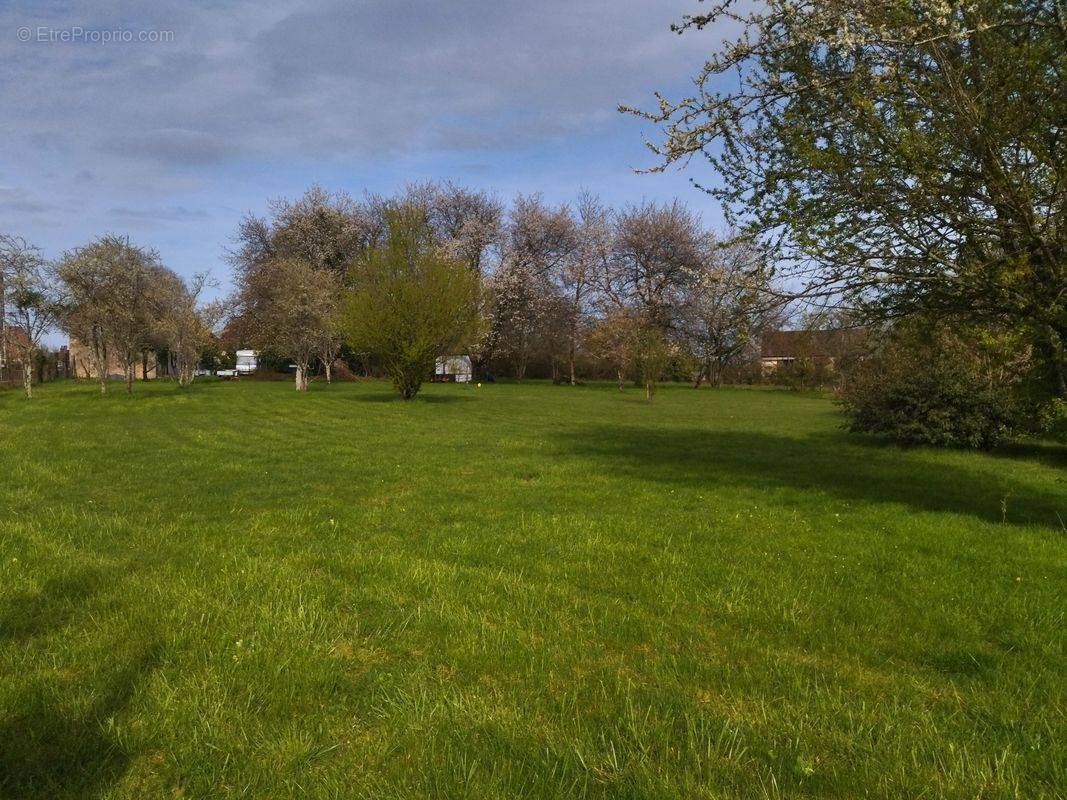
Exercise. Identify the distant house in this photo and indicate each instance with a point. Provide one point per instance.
(82, 365)
(821, 349)
(456, 369)
(12, 339)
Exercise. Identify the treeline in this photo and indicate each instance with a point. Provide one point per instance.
(577, 290)
(116, 299)
(572, 291)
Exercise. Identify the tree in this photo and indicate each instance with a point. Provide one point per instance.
(557, 328)
(107, 287)
(134, 275)
(517, 312)
(649, 352)
(84, 276)
(30, 303)
(608, 339)
(182, 326)
(900, 157)
(935, 382)
(410, 303)
(289, 306)
(330, 338)
(577, 276)
(323, 229)
(728, 305)
(654, 250)
(464, 224)
(524, 308)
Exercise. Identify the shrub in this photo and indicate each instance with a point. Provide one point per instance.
(922, 384)
(410, 303)
(1052, 420)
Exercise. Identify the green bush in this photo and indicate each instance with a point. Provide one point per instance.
(410, 303)
(924, 385)
(1052, 420)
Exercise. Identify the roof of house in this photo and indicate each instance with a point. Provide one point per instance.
(809, 344)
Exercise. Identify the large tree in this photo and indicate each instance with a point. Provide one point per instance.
(525, 309)
(899, 156)
(520, 306)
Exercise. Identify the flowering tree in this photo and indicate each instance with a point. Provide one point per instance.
(30, 303)
(290, 306)
(654, 249)
(517, 312)
(577, 276)
(527, 311)
(108, 286)
(184, 326)
(729, 303)
(901, 157)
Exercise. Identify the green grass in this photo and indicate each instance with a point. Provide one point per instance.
(518, 591)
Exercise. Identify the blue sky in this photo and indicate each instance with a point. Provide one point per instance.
(226, 105)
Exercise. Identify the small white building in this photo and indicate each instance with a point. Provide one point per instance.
(454, 368)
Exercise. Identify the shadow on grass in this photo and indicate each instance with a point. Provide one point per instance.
(31, 614)
(852, 470)
(421, 397)
(48, 751)
(1047, 453)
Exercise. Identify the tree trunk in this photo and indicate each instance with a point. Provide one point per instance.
(570, 363)
(129, 377)
(144, 365)
(300, 377)
(27, 379)
(327, 365)
(1059, 363)
(699, 378)
(650, 387)
(622, 380)
(99, 352)
(715, 376)
(408, 387)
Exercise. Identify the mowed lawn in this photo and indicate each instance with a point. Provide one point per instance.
(519, 591)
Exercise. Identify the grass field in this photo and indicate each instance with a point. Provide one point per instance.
(519, 591)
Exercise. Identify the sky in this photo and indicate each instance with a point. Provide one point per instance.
(169, 124)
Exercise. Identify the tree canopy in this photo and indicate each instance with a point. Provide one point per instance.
(898, 156)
